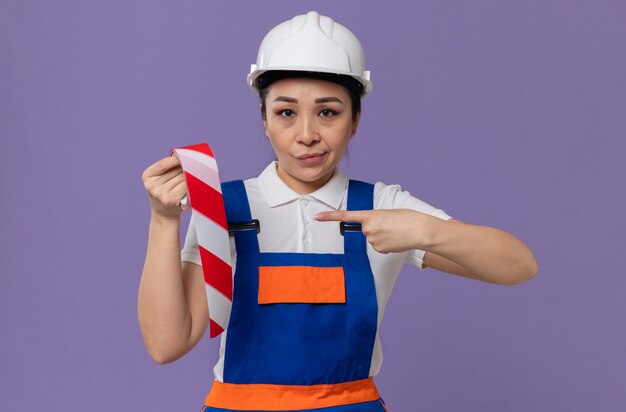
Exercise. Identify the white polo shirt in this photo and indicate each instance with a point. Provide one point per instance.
(287, 225)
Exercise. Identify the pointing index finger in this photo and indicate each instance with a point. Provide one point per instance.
(341, 216)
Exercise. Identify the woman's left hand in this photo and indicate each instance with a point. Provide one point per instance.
(478, 252)
(387, 230)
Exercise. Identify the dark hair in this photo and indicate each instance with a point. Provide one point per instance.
(353, 86)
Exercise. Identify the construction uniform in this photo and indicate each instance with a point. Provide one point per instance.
(303, 329)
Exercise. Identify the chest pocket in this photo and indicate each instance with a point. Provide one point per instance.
(301, 284)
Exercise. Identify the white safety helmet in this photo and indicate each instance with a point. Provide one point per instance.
(311, 43)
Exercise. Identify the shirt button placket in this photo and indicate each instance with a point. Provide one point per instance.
(305, 235)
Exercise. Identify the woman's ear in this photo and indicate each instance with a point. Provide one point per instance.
(263, 117)
(355, 123)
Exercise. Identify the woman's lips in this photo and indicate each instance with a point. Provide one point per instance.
(306, 156)
(311, 158)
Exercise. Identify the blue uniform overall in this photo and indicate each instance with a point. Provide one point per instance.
(292, 344)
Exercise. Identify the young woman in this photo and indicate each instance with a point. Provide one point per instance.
(308, 297)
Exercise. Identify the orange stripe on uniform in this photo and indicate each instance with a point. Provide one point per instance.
(301, 284)
(260, 396)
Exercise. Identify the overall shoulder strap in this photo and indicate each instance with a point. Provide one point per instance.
(360, 197)
(238, 211)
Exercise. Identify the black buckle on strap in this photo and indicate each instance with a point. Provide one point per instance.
(238, 227)
(349, 227)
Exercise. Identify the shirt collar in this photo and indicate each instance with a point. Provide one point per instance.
(276, 192)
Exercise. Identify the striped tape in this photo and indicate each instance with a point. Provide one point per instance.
(204, 196)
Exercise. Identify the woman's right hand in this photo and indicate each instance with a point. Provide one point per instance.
(171, 304)
(165, 184)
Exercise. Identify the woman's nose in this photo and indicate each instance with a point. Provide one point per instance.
(308, 131)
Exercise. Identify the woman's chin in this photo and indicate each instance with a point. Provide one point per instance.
(313, 174)
(309, 180)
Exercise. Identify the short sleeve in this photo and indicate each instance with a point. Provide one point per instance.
(393, 197)
(190, 251)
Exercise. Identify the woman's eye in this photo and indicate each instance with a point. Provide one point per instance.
(286, 113)
(327, 113)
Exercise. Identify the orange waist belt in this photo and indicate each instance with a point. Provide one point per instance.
(270, 397)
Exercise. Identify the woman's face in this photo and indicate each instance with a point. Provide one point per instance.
(309, 124)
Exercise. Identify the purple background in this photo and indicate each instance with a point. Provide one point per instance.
(502, 113)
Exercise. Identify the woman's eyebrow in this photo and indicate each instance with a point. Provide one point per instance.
(328, 99)
(320, 100)
(286, 99)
